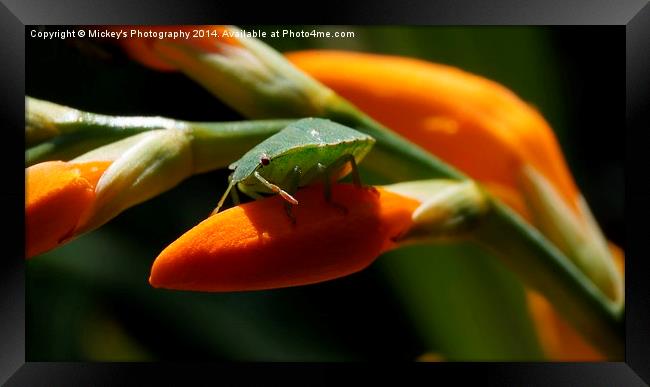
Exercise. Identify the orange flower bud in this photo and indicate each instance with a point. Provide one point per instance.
(255, 245)
(58, 194)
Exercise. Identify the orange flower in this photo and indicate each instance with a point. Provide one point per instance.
(473, 123)
(58, 194)
(255, 246)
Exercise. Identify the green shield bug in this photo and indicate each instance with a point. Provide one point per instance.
(305, 151)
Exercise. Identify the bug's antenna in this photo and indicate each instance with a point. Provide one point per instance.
(223, 198)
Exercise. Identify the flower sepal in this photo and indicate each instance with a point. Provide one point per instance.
(449, 209)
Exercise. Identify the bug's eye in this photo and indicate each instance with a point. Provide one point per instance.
(265, 160)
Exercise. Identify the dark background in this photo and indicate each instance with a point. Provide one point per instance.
(90, 300)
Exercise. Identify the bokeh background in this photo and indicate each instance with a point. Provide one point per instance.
(90, 300)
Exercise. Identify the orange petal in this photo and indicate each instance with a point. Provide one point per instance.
(255, 246)
(619, 257)
(475, 124)
(57, 195)
(558, 338)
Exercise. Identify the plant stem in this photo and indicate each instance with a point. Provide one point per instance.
(62, 133)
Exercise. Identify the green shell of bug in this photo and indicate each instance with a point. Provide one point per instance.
(304, 143)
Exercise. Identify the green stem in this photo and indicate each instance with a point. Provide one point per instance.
(57, 132)
(520, 247)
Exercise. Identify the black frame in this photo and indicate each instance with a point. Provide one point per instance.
(15, 14)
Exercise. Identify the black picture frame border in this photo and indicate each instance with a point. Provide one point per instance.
(16, 14)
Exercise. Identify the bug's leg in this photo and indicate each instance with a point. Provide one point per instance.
(355, 170)
(341, 161)
(327, 181)
(285, 195)
(292, 184)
